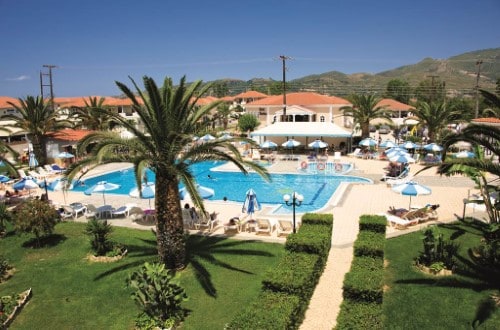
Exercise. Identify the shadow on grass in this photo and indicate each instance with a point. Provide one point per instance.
(45, 241)
(198, 249)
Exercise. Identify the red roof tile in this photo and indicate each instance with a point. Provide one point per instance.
(391, 104)
(5, 99)
(489, 120)
(69, 134)
(250, 95)
(301, 98)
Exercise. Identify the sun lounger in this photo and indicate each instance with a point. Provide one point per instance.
(264, 226)
(399, 223)
(356, 153)
(284, 227)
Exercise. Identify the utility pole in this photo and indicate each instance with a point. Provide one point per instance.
(283, 59)
(433, 90)
(478, 63)
(50, 85)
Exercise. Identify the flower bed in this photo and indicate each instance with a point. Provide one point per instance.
(11, 306)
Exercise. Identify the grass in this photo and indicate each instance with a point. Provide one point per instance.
(414, 300)
(71, 293)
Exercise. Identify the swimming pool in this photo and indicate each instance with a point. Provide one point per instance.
(317, 189)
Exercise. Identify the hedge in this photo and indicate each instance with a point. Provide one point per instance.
(310, 239)
(360, 315)
(318, 219)
(271, 310)
(375, 223)
(369, 244)
(296, 273)
(364, 281)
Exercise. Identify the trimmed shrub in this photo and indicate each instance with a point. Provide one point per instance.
(369, 244)
(318, 219)
(376, 223)
(310, 239)
(271, 310)
(296, 273)
(360, 315)
(365, 280)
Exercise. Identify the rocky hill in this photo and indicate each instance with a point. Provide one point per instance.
(459, 73)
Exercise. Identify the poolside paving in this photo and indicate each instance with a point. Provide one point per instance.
(357, 199)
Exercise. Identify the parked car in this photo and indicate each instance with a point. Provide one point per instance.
(384, 129)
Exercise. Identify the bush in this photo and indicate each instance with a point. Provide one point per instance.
(364, 281)
(4, 267)
(99, 232)
(310, 239)
(296, 273)
(369, 244)
(375, 223)
(318, 219)
(437, 250)
(36, 217)
(360, 315)
(271, 310)
(158, 294)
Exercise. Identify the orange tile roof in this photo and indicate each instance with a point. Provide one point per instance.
(69, 134)
(488, 120)
(5, 99)
(206, 100)
(250, 95)
(301, 98)
(394, 105)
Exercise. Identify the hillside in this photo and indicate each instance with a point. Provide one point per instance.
(459, 73)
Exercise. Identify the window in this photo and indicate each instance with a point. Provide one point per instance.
(322, 119)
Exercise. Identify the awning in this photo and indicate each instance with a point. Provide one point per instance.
(312, 129)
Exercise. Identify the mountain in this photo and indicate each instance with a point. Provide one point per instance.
(459, 73)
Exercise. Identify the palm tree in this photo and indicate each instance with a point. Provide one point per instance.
(482, 138)
(5, 150)
(37, 119)
(92, 116)
(363, 110)
(436, 116)
(171, 118)
(493, 101)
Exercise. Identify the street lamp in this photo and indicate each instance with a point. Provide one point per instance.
(295, 202)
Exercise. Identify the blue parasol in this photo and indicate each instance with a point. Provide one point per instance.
(268, 145)
(412, 188)
(318, 144)
(148, 191)
(204, 192)
(101, 186)
(251, 204)
(32, 162)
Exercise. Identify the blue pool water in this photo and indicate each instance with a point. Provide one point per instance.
(317, 189)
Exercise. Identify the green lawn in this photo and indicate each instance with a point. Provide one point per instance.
(71, 293)
(418, 301)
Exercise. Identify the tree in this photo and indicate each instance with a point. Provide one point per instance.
(398, 90)
(363, 110)
(99, 232)
(492, 101)
(171, 118)
(482, 138)
(94, 115)
(6, 150)
(220, 89)
(37, 119)
(223, 114)
(436, 116)
(430, 91)
(36, 217)
(248, 122)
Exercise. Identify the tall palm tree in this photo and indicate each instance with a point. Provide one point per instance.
(5, 150)
(37, 119)
(171, 118)
(493, 101)
(363, 110)
(435, 116)
(94, 115)
(482, 138)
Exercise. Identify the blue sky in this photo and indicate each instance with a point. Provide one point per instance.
(95, 43)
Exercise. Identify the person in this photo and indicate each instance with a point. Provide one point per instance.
(194, 214)
(211, 177)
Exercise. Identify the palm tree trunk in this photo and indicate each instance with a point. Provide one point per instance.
(169, 226)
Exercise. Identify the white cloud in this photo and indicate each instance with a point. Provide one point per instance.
(20, 78)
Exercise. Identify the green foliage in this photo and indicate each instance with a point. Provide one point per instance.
(158, 294)
(375, 223)
(270, 311)
(364, 109)
(369, 244)
(360, 315)
(35, 217)
(294, 274)
(310, 239)
(436, 250)
(364, 280)
(318, 218)
(5, 216)
(4, 267)
(430, 90)
(488, 252)
(99, 232)
(248, 122)
(7, 305)
(398, 90)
